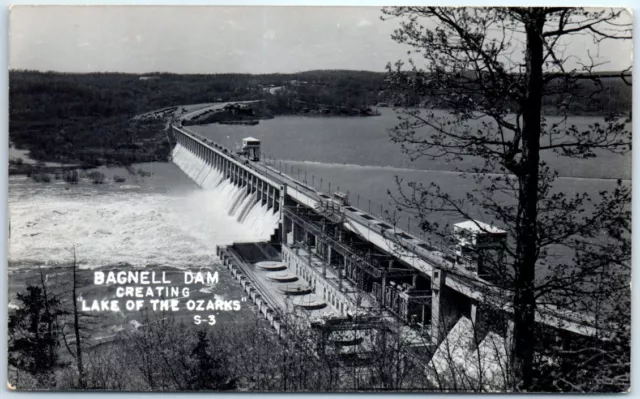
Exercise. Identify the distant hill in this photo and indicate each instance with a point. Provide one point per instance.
(71, 117)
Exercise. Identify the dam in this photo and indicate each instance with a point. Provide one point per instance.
(345, 269)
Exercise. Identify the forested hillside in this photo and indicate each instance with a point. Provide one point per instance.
(87, 117)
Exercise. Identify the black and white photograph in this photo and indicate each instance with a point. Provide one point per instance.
(319, 199)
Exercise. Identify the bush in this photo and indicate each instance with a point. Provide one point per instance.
(71, 176)
(41, 177)
(96, 177)
(119, 179)
(16, 161)
(142, 173)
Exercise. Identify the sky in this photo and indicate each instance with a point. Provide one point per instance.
(139, 39)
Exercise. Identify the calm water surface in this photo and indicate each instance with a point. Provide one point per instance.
(365, 141)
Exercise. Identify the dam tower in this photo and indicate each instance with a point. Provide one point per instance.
(251, 148)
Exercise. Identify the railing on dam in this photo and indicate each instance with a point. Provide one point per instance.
(270, 175)
(400, 220)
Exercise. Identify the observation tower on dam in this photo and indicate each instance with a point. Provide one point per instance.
(351, 275)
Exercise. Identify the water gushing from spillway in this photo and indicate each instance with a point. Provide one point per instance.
(245, 208)
(162, 219)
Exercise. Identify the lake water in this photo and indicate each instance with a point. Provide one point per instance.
(356, 155)
(365, 141)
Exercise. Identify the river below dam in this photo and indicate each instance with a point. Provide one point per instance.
(160, 220)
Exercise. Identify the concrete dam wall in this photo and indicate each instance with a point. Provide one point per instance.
(239, 200)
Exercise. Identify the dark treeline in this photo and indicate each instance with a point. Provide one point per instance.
(38, 95)
(328, 92)
(87, 118)
(597, 94)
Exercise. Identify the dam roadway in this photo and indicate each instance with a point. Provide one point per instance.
(399, 270)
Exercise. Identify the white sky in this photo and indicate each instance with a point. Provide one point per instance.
(186, 39)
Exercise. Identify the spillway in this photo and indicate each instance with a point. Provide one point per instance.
(236, 201)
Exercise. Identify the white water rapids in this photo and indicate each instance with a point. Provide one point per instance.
(236, 203)
(114, 224)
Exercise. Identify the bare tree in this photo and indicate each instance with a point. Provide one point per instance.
(493, 70)
(76, 323)
(81, 325)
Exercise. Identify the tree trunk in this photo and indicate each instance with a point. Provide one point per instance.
(527, 248)
(50, 322)
(76, 327)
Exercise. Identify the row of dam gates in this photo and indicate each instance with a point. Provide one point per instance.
(341, 264)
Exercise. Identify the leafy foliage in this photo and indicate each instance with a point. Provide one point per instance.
(96, 177)
(208, 371)
(33, 335)
(71, 176)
